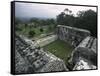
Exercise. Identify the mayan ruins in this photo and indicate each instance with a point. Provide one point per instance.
(31, 57)
(50, 38)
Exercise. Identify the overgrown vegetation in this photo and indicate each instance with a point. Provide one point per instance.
(31, 33)
(35, 27)
(84, 19)
(60, 49)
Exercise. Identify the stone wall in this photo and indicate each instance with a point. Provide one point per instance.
(42, 41)
(71, 35)
(84, 56)
(47, 40)
(32, 59)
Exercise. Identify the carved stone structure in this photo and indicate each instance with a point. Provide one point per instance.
(31, 58)
(71, 35)
(84, 56)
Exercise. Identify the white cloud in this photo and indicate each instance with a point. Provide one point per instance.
(45, 10)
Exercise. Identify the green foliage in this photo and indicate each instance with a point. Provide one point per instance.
(65, 18)
(85, 20)
(49, 28)
(26, 25)
(40, 26)
(41, 29)
(60, 18)
(59, 48)
(31, 33)
(17, 21)
(42, 22)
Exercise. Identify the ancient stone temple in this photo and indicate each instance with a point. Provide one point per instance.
(71, 34)
(31, 58)
(84, 56)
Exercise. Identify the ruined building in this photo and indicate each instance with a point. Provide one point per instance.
(31, 58)
(71, 35)
(84, 56)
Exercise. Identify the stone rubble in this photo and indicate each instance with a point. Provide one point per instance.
(71, 35)
(86, 52)
(31, 58)
(38, 60)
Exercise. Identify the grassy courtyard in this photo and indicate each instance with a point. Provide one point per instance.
(60, 49)
(21, 29)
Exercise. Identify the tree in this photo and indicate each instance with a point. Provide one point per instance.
(67, 11)
(26, 25)
(17, 21)
(65, 18)
(87, 20)
(31, 33)
(41, 30)
(60, 18)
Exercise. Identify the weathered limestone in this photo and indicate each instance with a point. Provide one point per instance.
(83, 64)
(55, 64)
(21, 64)
(47, 40)
(31, 58)
(71, 34)
(41, 42)
(37, 60)
(85, 54)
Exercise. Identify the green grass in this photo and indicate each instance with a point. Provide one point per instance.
(25, 30)
(60, 49)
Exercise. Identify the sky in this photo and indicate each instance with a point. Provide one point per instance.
(29, 10)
